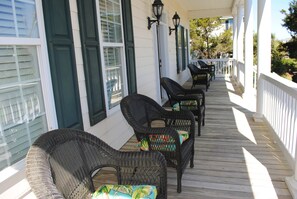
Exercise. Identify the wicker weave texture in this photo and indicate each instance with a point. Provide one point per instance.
(177, 94)
(209, 68)
(141, 112)
(199, 76)
(61, 163)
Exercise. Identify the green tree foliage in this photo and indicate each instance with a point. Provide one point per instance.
(225, 44)
(280, 62)
(204, 39)
(290, 23)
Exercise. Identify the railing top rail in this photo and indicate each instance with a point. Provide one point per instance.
(222, 59)
(284, 84)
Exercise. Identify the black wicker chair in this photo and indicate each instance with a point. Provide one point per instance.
(142, 113)
(211, 68)
(199, 76)
(184, 98)
(61, 164)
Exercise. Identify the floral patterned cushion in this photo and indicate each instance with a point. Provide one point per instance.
(125, 192)
(157, 141)
(185, 105)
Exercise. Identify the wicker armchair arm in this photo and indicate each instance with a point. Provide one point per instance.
(185, 117)
(144, 167)
(201, 72)
(194, 91)
(37, 172)
(164, 131)
(143, 159)
(178, 115)
(188, 97)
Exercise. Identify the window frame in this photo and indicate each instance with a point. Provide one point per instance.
(11, 175)
(110, 111)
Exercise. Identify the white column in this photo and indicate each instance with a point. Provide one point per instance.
(248, 50)
(264, 50)
(234, 71)
(240, 31)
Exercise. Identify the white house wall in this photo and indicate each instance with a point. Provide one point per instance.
(172, 7)
(145, 52)
(114, 129)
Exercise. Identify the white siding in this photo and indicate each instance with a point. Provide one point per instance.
(114, 130)
(146, 56)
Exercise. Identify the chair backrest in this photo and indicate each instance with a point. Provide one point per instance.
(63, 161)
(172, 89)
(202, 64)
(193, 69)
(139, 110)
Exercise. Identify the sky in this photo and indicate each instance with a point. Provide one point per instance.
(281, 33)
(276, 27)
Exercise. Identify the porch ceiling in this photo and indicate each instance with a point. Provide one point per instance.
(208, 8)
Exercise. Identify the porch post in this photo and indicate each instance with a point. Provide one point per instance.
(234, 71)
(240, 32)
(248, 49)
(264, 51)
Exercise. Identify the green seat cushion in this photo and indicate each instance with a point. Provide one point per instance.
(186, 105)
(125, 192)
(163, 142)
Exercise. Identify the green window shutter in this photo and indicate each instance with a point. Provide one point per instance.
(187, 47)
(91, 56)
(129, 46)
(183, 48)
(62, 63)
(177, 44)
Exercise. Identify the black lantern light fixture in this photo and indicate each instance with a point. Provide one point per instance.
(176, 21)
(157, 10)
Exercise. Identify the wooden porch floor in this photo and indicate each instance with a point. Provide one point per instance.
(235, 157)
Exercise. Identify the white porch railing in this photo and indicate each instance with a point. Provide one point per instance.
(224, 67)
(280, 111)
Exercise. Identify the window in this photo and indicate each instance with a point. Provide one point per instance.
(22, 110)
(106, 68)
(113, 50)
(18, 19)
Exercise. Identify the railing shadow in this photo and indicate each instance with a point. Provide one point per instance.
(235, 157)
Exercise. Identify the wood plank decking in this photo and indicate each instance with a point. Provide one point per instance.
(235, 157)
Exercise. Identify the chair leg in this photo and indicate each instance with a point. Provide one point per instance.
(203, 120)
(179, 178)
(199, 125)
(192, 158)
